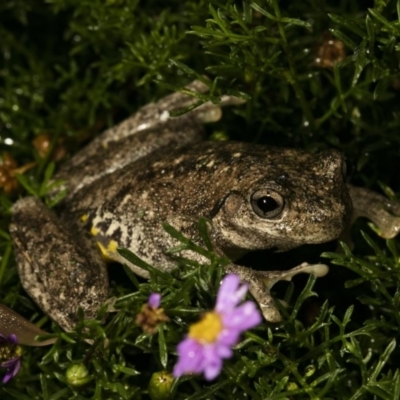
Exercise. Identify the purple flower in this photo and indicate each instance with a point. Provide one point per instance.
(154, 300)
(151, 315)
(10, 350)
(210, 340)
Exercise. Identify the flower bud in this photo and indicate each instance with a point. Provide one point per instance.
(77, 375)
(160, 386)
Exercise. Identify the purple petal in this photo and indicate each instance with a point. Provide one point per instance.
(191, 358)
(7, 377)
(12, 339)
(229, 337)
(212, 362)
(196, 358)
(17, 367)
(9, 363)
(154, 300)
(230, 293)
(224, 351)
(242, 318)
(12, 367)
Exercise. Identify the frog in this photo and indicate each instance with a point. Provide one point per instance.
(154, 168)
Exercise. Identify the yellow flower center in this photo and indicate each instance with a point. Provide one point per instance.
(208, 329)
(9, 351)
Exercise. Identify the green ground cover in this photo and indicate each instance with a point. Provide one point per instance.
(316, 74)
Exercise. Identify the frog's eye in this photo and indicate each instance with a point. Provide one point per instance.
(266, 203)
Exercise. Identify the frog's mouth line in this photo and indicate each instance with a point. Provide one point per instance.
(279, 261)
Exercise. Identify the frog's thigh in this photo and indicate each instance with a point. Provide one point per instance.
(152, 116)
(155, 116)
(125, 151)
(60, 269)
(384, 213)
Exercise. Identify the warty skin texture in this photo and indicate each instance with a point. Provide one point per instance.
(204, 180)
(152, 169)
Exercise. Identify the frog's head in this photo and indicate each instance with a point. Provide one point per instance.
(286, 199)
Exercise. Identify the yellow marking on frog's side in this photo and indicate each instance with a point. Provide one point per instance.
(94, 231)
(102, 249)
(112, 246)
(107, 252)
(84, 217)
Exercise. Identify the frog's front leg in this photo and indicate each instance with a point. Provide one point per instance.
(261, 282)
(58, 267)
(384, 213)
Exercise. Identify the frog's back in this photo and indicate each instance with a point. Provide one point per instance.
(223, 182)
(195, 178)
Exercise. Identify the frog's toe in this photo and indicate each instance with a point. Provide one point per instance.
(388, 218)
(272, 277)
(258, 290)
(206, 113)
(387, 228)
(266, 302)
(383, 212)
(261, 282)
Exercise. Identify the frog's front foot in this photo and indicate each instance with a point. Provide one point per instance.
(384, 213)
(261, 282)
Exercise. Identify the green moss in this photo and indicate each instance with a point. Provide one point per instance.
(72, 68)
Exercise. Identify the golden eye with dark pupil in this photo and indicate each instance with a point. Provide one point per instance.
(267, 204)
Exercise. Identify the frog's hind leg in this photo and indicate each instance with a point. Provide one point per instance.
(149, 129)
(59, 269)
(155, 115)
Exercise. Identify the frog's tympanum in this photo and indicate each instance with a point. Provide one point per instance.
(153, 168)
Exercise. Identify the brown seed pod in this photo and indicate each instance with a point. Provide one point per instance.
(8, 169)
(8, 181)
(42, 144)
(149, 318)
(328, 51)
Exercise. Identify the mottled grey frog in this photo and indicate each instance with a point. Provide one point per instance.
(154, 168)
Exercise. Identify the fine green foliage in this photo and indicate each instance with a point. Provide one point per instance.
(71, 68)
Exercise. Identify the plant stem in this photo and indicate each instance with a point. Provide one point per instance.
(309, 118)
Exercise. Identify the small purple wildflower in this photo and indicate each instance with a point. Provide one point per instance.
(151, 315)
(210, 340)
(10, 351)
(154, 300)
